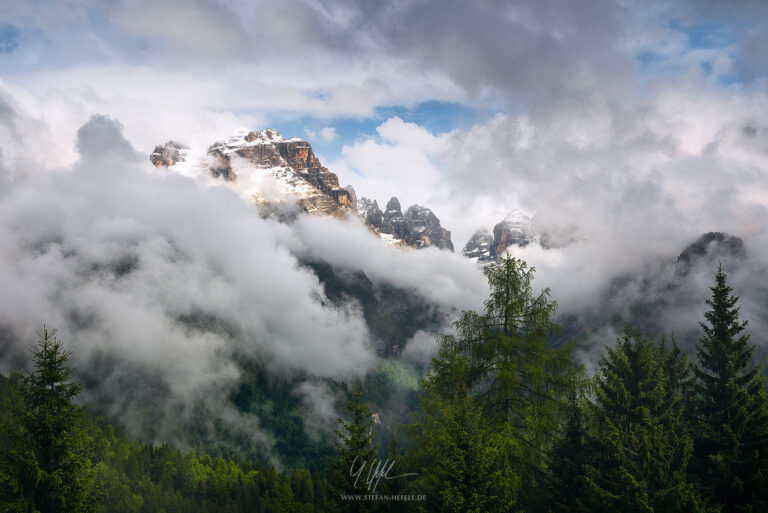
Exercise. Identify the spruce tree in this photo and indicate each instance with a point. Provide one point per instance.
(730, 423)
(461, 461)
(568, 490)
(48, 468)
(354, 441)
(640, 444)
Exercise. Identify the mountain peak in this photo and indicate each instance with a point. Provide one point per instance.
(517, 216)
(710, 248)
(276, 172)
(393, 205)
(267, 136)
(168, 154)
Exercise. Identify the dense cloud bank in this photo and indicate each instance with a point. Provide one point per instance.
(159, 284)
(630, 128)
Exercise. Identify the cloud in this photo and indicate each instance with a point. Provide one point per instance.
(444, 278)
(320, 403)
(421, 348)
(636, 126)
(157, 283)
(161, 285)
(400, 162)
(328, 133)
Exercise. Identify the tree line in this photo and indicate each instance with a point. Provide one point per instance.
(508, 422)
(54, 458)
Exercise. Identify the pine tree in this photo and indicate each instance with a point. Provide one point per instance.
(354, 441)
(640, 445)
(48, 468)
(730, 421)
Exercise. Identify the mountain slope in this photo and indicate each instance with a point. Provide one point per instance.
(281, 173)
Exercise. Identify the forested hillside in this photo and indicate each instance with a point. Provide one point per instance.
(503, 421)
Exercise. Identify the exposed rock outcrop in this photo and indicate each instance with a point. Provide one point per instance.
(167, 154)
(422, 229)
(419, 227)
(515, 229)
(393, 222)
(278, 172)
(268, 149)
(269, 168)
(352, 195)
(479, 247)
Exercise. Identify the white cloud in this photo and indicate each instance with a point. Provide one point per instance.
(147, 272)
(328, 133)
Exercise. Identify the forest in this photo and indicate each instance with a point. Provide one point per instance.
(505, 419)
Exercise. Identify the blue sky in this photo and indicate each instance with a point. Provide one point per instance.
(435, 116)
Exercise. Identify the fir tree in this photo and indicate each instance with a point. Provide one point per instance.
(568, 488)
(461, 461)
(354, 441)
(730, 421)
(48, 468)
(640, 445)
(398, 486)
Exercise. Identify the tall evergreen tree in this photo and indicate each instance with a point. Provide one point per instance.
(730, 421)
(568, 489)
(400, 486)
(461, 462)
(354, 441)
(500, 363)
(48, 468)
(641, 447)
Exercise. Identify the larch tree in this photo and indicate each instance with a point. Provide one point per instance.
(500, 366)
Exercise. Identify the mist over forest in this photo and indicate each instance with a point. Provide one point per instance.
(268, 233)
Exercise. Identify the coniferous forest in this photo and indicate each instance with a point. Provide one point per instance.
(506, 421)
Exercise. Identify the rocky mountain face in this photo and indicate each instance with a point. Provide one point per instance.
(271, 169)
(515, 229)
(479, 247)
(291, 163)
(168, 154)
(276, 171)
(419, 227)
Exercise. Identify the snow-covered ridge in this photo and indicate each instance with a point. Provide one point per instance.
(244, 138)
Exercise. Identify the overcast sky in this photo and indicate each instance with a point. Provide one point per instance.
(634, 126)
(561, 109)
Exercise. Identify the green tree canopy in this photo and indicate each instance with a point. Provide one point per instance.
(640, 445)
(48, 467)
(354, 441)
(730, 421)
(499, 366)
